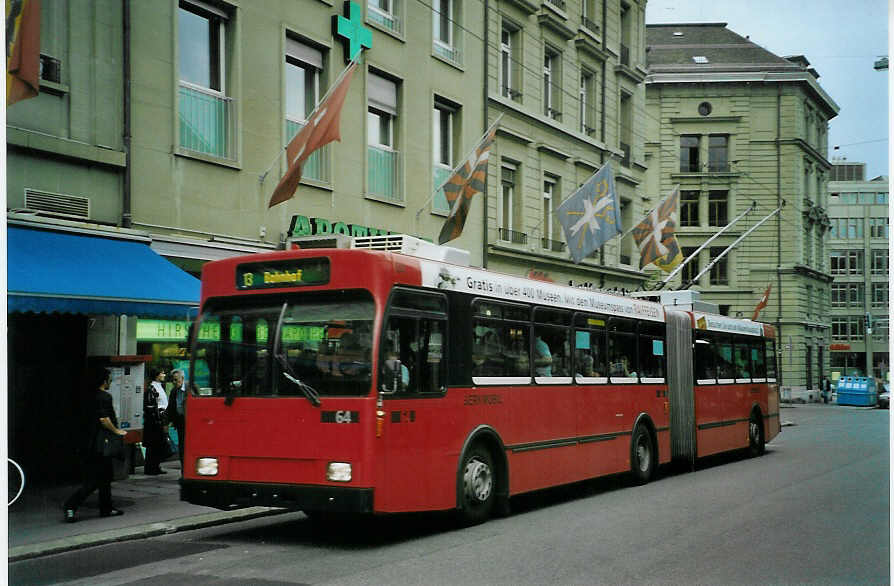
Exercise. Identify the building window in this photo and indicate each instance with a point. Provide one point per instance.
(444, 116)
(881, 198)
(855, 228)
(718, 153)
(689, 145)
(878, 227)
(510, 62)
(586, 102)
(508, 205)
(879, 262)
(383, 160)
(846, 295)
(552, 81)
(303, 66)
(719, 273)
(206, 114)
(626, 24)
(690, 269)
(717, 208)
(588, 16)
(446, 32)
(840, 328)
(689, 208)
(550, 200)
(386, 13)
(879, 295)
(848, 262)
(626, 128)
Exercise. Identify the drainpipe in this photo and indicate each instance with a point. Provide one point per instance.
(604, 48)
(484, 193)
(779, 228)
(125, 203)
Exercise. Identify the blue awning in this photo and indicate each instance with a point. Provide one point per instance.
(70, 273)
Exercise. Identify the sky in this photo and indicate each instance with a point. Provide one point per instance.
(842, 41)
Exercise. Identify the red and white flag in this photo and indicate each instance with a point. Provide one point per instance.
(762, 303)
(322, 128)
(22, 50)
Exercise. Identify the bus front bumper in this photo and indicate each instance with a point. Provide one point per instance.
(233, 495)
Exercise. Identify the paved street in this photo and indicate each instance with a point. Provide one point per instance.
(814, 509)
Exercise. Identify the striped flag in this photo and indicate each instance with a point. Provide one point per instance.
(655, 235)
(762, 303)
(467, 180)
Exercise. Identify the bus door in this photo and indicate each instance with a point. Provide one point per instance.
(412, 380)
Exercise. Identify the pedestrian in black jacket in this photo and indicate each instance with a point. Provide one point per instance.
(96, 468)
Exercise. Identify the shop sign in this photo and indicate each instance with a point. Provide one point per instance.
(839, 346)
(164, 330)
(304, 226)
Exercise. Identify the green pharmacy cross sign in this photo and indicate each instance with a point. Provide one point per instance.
(351, 30)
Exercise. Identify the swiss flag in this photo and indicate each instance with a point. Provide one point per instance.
(322, 128)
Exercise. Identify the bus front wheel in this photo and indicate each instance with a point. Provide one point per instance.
(642, 455)
(478, 486)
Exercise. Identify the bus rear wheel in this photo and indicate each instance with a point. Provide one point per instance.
(478, 486)
(755, 436)
(642, 455)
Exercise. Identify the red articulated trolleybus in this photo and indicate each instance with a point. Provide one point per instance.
(381, 378)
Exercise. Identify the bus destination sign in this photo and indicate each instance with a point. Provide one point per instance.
(282, 274)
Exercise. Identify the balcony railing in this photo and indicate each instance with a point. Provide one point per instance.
(384, 173)
(589, 25)
(207, 121)
(554, 114)
(511, 93)
(513, 236)
(316, 166)
(389, 20)
(560, 4)
(553, 245)
(718, 167)
(452, 52)
(440, 174)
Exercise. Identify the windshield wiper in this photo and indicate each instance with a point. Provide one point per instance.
(308, 391)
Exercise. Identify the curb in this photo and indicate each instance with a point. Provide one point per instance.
(24, 552)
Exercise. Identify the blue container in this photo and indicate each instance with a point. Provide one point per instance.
(857, 390)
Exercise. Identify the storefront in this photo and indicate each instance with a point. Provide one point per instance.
(75, 292)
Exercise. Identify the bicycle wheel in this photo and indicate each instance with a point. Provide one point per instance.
(16, 479)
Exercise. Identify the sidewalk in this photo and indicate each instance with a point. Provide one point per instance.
(151, 506)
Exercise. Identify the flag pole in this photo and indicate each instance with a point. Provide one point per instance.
(263, 176)
(679, 267)
(455, 169)
(733, 245)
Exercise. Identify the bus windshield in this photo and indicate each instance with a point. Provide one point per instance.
(325, 343)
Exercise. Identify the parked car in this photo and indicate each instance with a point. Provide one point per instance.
(884, 398)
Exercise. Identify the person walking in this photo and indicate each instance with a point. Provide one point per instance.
(177, 408)
(155, 402)
(96, 468)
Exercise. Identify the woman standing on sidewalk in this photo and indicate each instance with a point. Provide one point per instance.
(96, 468)
(154, 422)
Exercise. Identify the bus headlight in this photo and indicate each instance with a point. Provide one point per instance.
(206, 466)
(338, 472)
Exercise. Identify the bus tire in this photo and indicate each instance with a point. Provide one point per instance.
(642, 455)
(755, 435)
(479, 485)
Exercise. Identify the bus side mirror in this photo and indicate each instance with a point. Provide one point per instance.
(391, 371)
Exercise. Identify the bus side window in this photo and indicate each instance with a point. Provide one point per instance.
(724, 358)
(771, 359)
(758, 359)
(622, 348)
(743, 358)
(651, 350)
(396, 373)
(704, 359)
